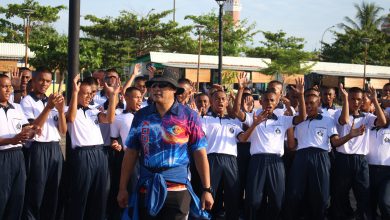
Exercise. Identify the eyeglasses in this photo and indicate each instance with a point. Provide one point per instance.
(161, 85)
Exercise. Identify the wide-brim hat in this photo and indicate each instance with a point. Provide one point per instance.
(167, 76)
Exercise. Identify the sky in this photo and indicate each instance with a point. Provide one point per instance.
(299, 18)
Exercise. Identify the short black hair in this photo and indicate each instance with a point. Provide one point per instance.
(184, 81)
(269, 91)
(325, 88)
(311, 95)
(387, 84)
(3, 76)
(355, 90)
(201, 94)
(277, 82)
(21, 69)
(111, 70)
(131, 89)
(91, 81)
(140, 78)
(41, 70)
(309, 90)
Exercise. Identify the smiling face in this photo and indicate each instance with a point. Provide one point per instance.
(219, 102)
(41, 82)
(85, 95)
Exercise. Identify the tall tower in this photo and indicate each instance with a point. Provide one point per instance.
(233, 7)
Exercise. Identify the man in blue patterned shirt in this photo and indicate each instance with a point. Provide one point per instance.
(165, 134)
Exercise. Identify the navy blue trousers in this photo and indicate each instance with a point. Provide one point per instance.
(309, 179)
(44, 162)
(115, 159)
(243, 158)
(380, 189)
(265, 183)
(224, 173)
(350, 171)
(12, 183)
(89, 184)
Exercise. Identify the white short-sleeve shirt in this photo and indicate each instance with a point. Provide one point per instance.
(85, 130)
(268, 136)
(359, 144)
(379, 153)
(121, 126)
(221, 134)
(32, 108)
(315, 132)
(12, 121)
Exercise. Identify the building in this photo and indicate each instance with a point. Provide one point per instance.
(12, 56)
(322, 73)
(233, 8)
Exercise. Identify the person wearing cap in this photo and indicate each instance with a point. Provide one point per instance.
(165, 135)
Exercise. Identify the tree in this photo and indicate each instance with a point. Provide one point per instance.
(367, 18)
(349, 47)
(286, 54)
(41, 15)
(236, 36)
(127, 36)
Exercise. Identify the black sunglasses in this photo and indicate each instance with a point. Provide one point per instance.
(161, 85)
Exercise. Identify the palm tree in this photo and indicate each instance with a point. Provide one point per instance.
(367, 18)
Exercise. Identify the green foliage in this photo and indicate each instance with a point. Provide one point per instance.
(127, 36)
(235, 36)
(349, 46)
(285, 52)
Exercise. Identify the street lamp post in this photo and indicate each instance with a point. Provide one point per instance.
(365, 41)
(174, 10)
(28, 13)
(322, 38)
(199, 29)
(220, 40)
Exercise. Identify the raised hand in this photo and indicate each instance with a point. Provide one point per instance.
(137, 68)
(16, 78)
(76, 83)
(115, 89)
(242, 80)
(373, 94)
(299, 87)
(258, 119)
(343, 92)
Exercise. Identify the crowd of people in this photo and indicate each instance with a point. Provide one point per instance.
(156, 148)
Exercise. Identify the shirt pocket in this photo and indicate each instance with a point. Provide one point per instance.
(386, 138)
(17, 124)
(276, 130)
(321, 133)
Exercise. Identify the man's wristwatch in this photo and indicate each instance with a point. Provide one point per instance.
(209, 189)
